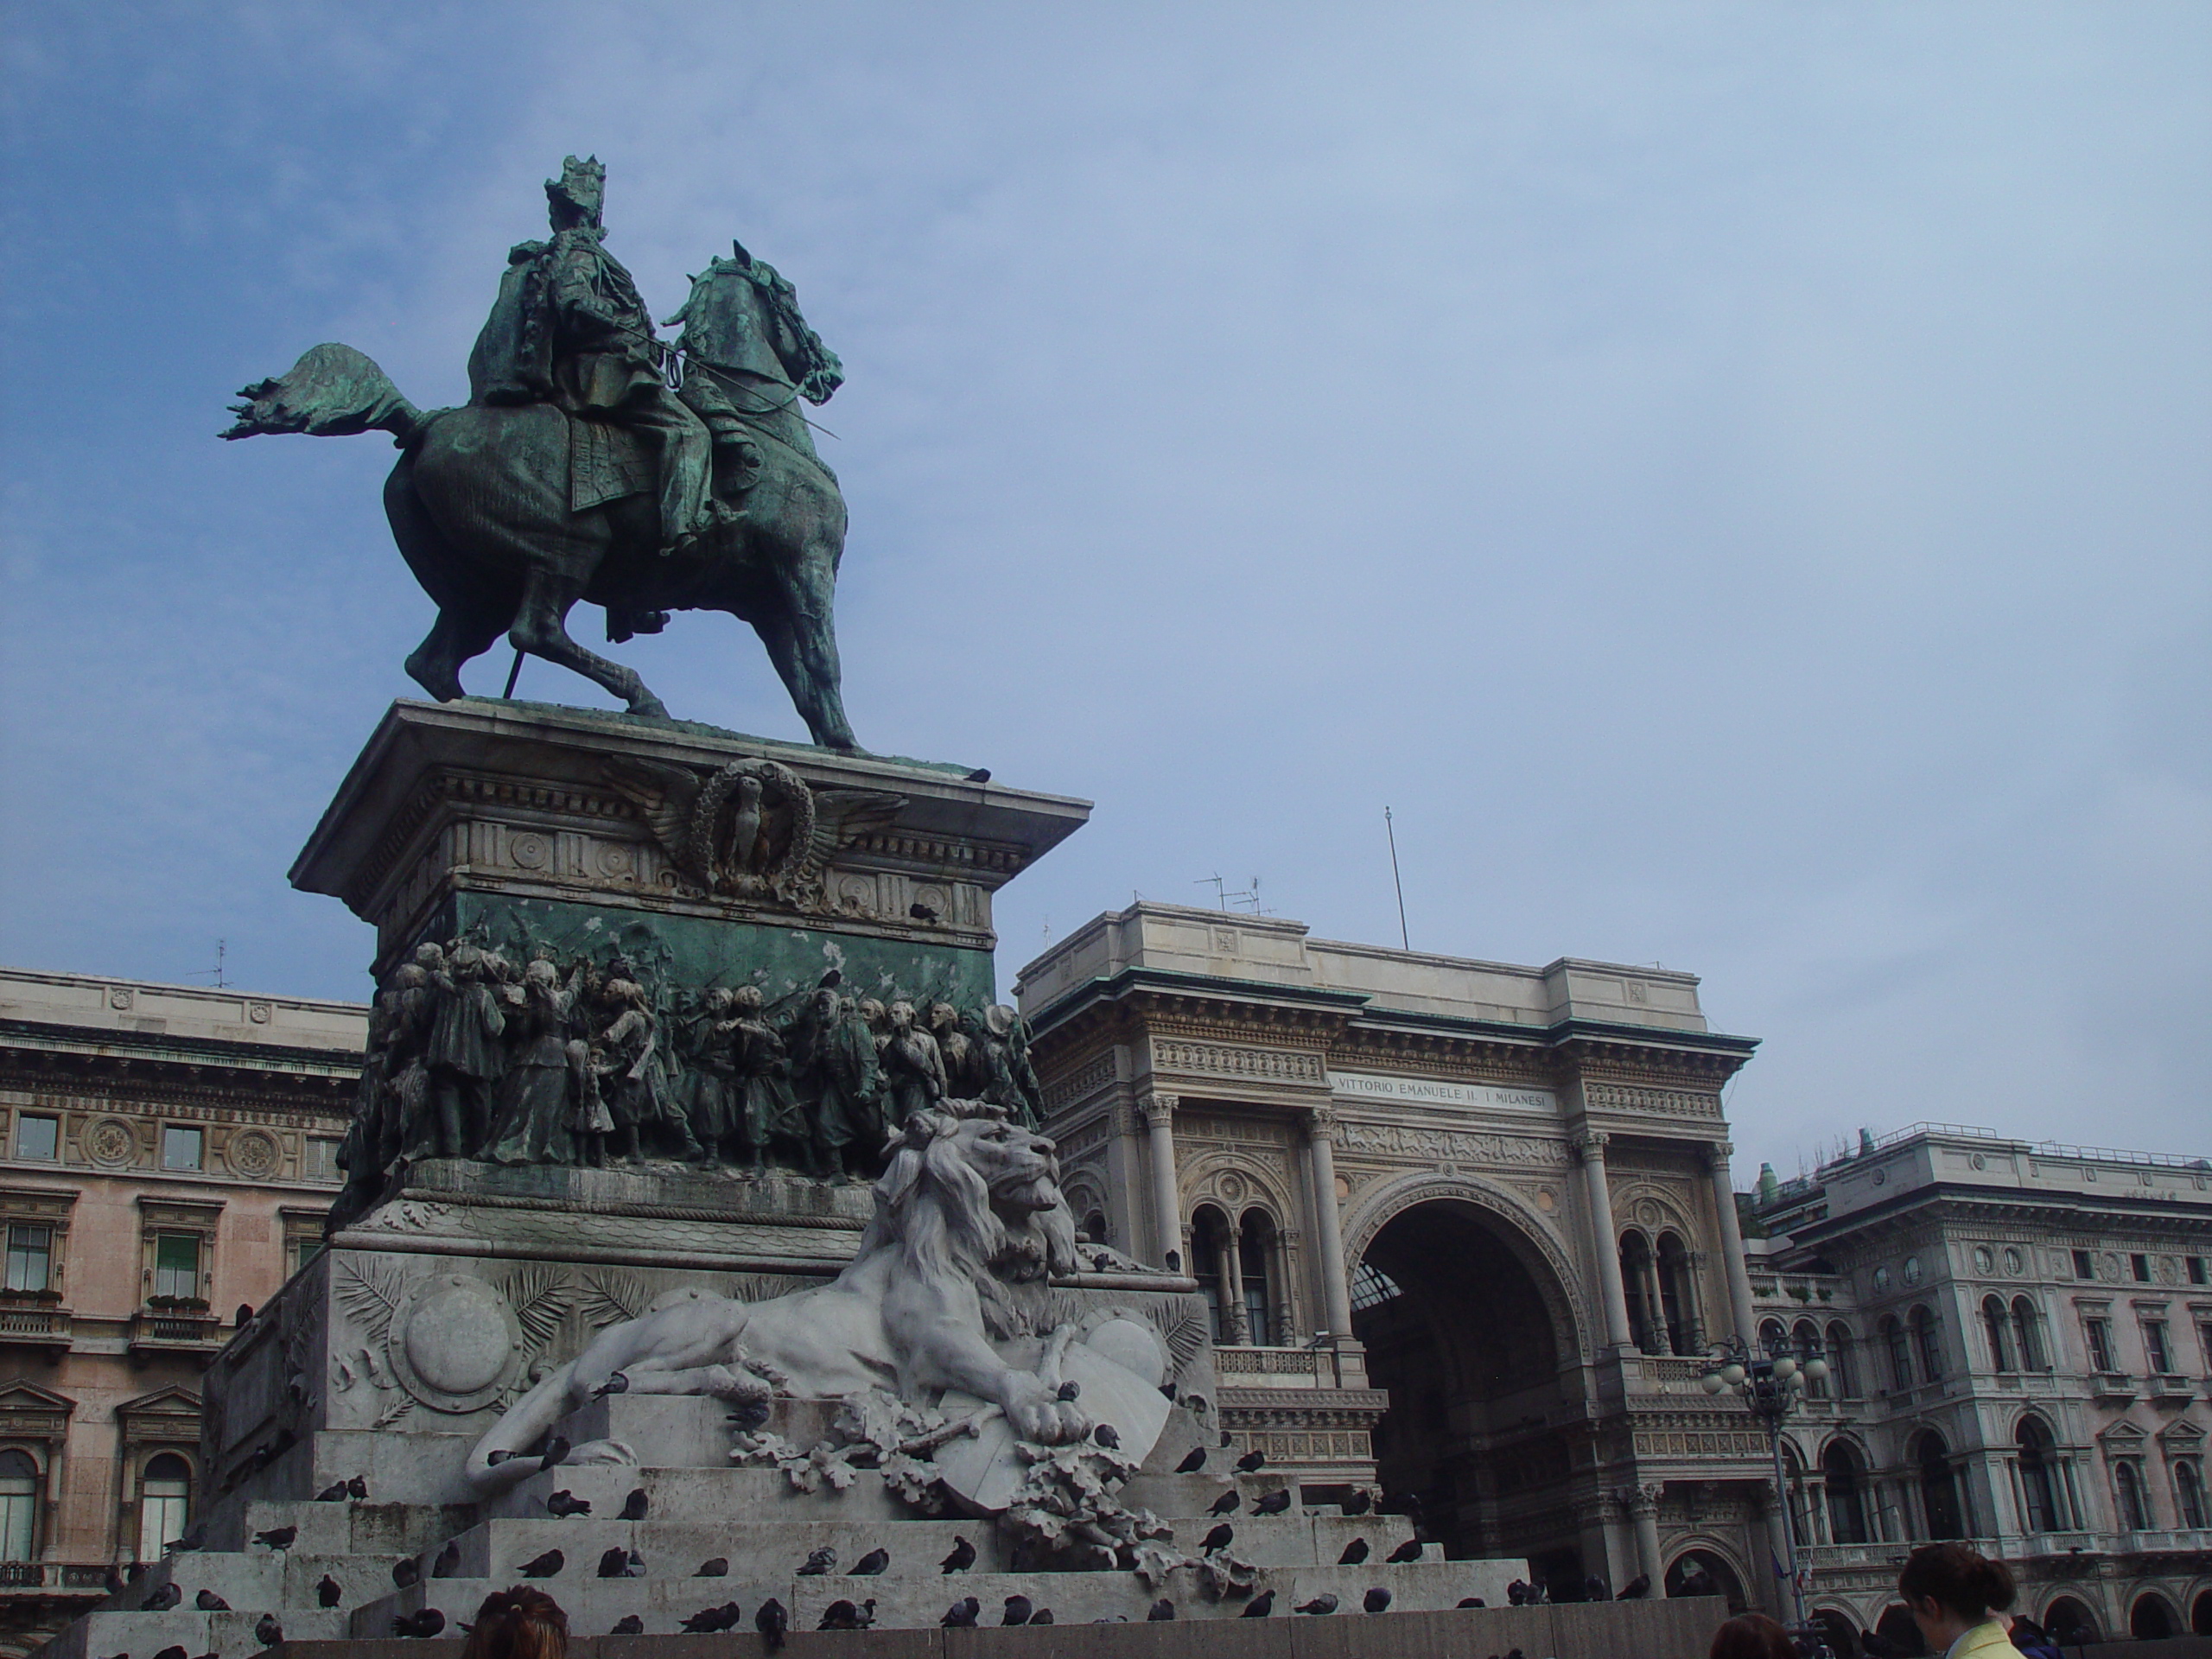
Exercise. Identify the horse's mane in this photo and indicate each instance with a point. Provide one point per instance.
(818, 372)
(934, 1207)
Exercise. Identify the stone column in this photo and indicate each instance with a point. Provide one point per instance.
(1777, 1542)
(1328, 1221)
(1229, 1265)
(1166, 1193)
(1643, 1509)
(1744, 1319)
(1655, 1305)
(1598, 1196)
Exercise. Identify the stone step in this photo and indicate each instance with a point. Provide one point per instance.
(99, 1635)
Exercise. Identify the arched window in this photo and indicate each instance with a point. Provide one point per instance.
(1805, 1342)
(1999, 1322)
(1802, 1521)
(2038, 1484)
(2188, 1492)
(1893, 1338)
(2134, 1513)
(19, 1484)
(1927, 1345)
(1842, 1361)
(1639, 1283)
(1939, 1487)
(2151, 1618)
(164, 1504)
(2200, 1614)
(1774, 1338)
(2028, 1330)
(1094, 1227)
(2071, 1621)
(1255, 1258)
(1209, 1241)
(1847, 1497)
(1678, 1296)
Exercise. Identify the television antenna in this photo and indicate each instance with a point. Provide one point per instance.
(216, 972)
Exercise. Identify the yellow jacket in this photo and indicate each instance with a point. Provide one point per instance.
(1987, 1640)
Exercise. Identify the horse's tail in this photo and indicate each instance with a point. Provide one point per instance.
(529, 1417)
(334, 391)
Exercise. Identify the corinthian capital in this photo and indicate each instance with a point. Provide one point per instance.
(1160, 1109)
(1717, 1154)
(1321, 1122)
(1588, 1146)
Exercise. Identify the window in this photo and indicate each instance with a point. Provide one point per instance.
(1999, 1321)
(1841, 1364)
(2099, 1332)
(1847, 1503)
(2188, 1493)
(304, 1250)
(318, 1162)
(2038, 1490)
(2128, 1482)
(1805, 1342)
(19, 1485)
(2083, 1268)
(2155, 1354)
(1254, 1256)
(31, 1258)
(38, 1138)
(1927, 1343)
(177, 1265)
(2204, 1341)
(1939, 1488)
(2140, 1267)
(2197, 1270)
(1370, 1287)
(1900, 1355)
(164, 1504)
(1678, 1297)
(180, 1146)
(2027, 1328)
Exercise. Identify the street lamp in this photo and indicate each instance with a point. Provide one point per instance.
(1772, 1384)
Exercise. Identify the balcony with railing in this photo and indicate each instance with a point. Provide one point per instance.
(2034, 1546)
(175, 1331)
(86, 1581)
(35, 1322)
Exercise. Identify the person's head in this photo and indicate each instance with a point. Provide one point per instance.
(1751, 1636)
(746, 999)
(1948, 1589)
(574, 199)
(519, 1623)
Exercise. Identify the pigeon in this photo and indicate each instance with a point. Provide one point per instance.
(1408, 1551)
(268, 1631)
(1250, 1464)
(1220, 1537)
(1272, 1503)
(357, 1488)
(1018, 1610)
(170, 1652)
(163, 1598)
(1517, 1593)
(334, 1493)
(1162, 1609)
(1069, 1389)
(707, 1620)
(1228, 1503)
(448, 1560)
(406, 1571)
(543, 1566)
(192, 1539)
(1107, 1436)
(1354, 1553)
(564, 1503)
(1593, 1588)
(845, 1616)
(556, 1452)
(1319, 1605)
(1359, 1502)
(826, 1558)
(1376, 1600)
(1260, 1606)
(772, 1621)
(329, 1592)
(1636, 1588)
(1042, 1616)
(634, 1506)
(612, 1563)
(871, 1564)
(427, 1622)
(962, 1614)
(276, 1537)
(963, 1556)
(208, 1602)
(717, 1568)
(628, 1624)
(1193, 1460)
(981, 775)
(922, 912)
(493, 1460)
(1472, 1601)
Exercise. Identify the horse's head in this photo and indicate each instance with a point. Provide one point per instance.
(740, 303)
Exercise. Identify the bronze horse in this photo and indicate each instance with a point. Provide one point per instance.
(508, 514)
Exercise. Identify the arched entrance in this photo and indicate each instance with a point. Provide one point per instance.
(2070, 1622)
(2200, 1614)
(1900, 1636)
(1840, 1631)
(1702, 1573)
(1466, 1327)
(2152, 1619)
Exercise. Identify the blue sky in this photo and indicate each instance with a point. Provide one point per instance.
(1732, 480)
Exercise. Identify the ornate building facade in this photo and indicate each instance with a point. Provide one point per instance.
(2020, 1337)
(167, 1154)
(1463, 1227)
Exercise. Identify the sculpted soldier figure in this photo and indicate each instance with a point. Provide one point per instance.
(912, 1065)
(464, 1055)
(709, 1088)
(531, 1123)
(568, 328)
(848, 1079)
(632, 1076)
(770, 1112)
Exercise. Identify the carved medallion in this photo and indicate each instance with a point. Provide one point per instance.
(252, 1153)
(111, 1143)
(453, 1342)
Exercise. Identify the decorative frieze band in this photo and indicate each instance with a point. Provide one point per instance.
(1671, 1102)
(1440, 1146)
(1093, 1075)
(1218, 1059)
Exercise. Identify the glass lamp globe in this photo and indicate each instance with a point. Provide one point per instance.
(1784, 1369)
(1816, 1369)
(1714, 1382)
(1731, 1373)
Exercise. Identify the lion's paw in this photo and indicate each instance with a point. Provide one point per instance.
(1036, 1411)
(737, 1388)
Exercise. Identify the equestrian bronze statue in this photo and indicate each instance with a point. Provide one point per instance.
(594, 461)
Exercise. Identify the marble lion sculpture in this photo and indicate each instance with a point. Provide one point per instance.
(968, 1227)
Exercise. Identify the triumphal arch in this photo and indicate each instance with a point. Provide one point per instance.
(1462, 1228)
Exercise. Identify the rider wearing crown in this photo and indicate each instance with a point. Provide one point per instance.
(569, 329)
